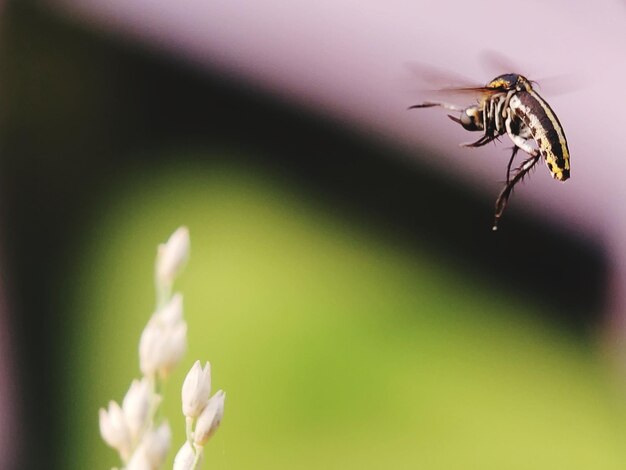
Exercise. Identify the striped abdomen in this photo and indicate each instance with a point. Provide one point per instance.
(545, 129)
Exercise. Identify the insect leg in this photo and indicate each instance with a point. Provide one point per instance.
(484, 140)
(494, 113)
(498, 115)
(430, 104)
(519, 140)
(503, 197)
(507, 99)
(508, 167)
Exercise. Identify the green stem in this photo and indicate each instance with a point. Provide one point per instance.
(163, 294)
(188, 429)
(196, 460)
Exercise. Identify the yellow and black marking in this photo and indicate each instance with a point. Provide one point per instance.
(509, 104)
(539, 118)
(545, 129)
(505, 82)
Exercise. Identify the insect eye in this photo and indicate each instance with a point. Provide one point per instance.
(469, 119)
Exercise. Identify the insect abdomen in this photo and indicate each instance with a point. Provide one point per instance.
(546, 131)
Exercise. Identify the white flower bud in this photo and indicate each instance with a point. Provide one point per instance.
(156, 444)
(172, 256)
(136, 406)
(176, 346)
(149, 345)
(140, 461)
(114, 429)
(186, 457)
(196, 389)
(172, 312)
(210, 418)
(161, 346)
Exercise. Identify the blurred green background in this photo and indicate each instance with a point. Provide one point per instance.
(338, 348)
(354, 304)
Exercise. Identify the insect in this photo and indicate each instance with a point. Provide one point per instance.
(510, 105)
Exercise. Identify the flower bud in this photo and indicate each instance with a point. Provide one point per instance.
(172, 312)
(114, 429)
(210, 418)
(161, 347)
(140, 461)
(136, 406)
(196, 390)
(186, 457)
(156, 444)
(172, 256)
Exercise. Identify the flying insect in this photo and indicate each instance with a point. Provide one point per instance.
(510, 105)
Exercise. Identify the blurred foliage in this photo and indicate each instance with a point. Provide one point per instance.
(338, 347)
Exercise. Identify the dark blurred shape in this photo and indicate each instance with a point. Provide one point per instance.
(79, 109)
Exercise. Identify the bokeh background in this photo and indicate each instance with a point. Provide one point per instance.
(344, 281)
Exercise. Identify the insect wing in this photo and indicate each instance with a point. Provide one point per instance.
(434, 84)
(496, 63)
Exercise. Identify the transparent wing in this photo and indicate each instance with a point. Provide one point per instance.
(438, 84)
(496, 63)
(429, 75)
